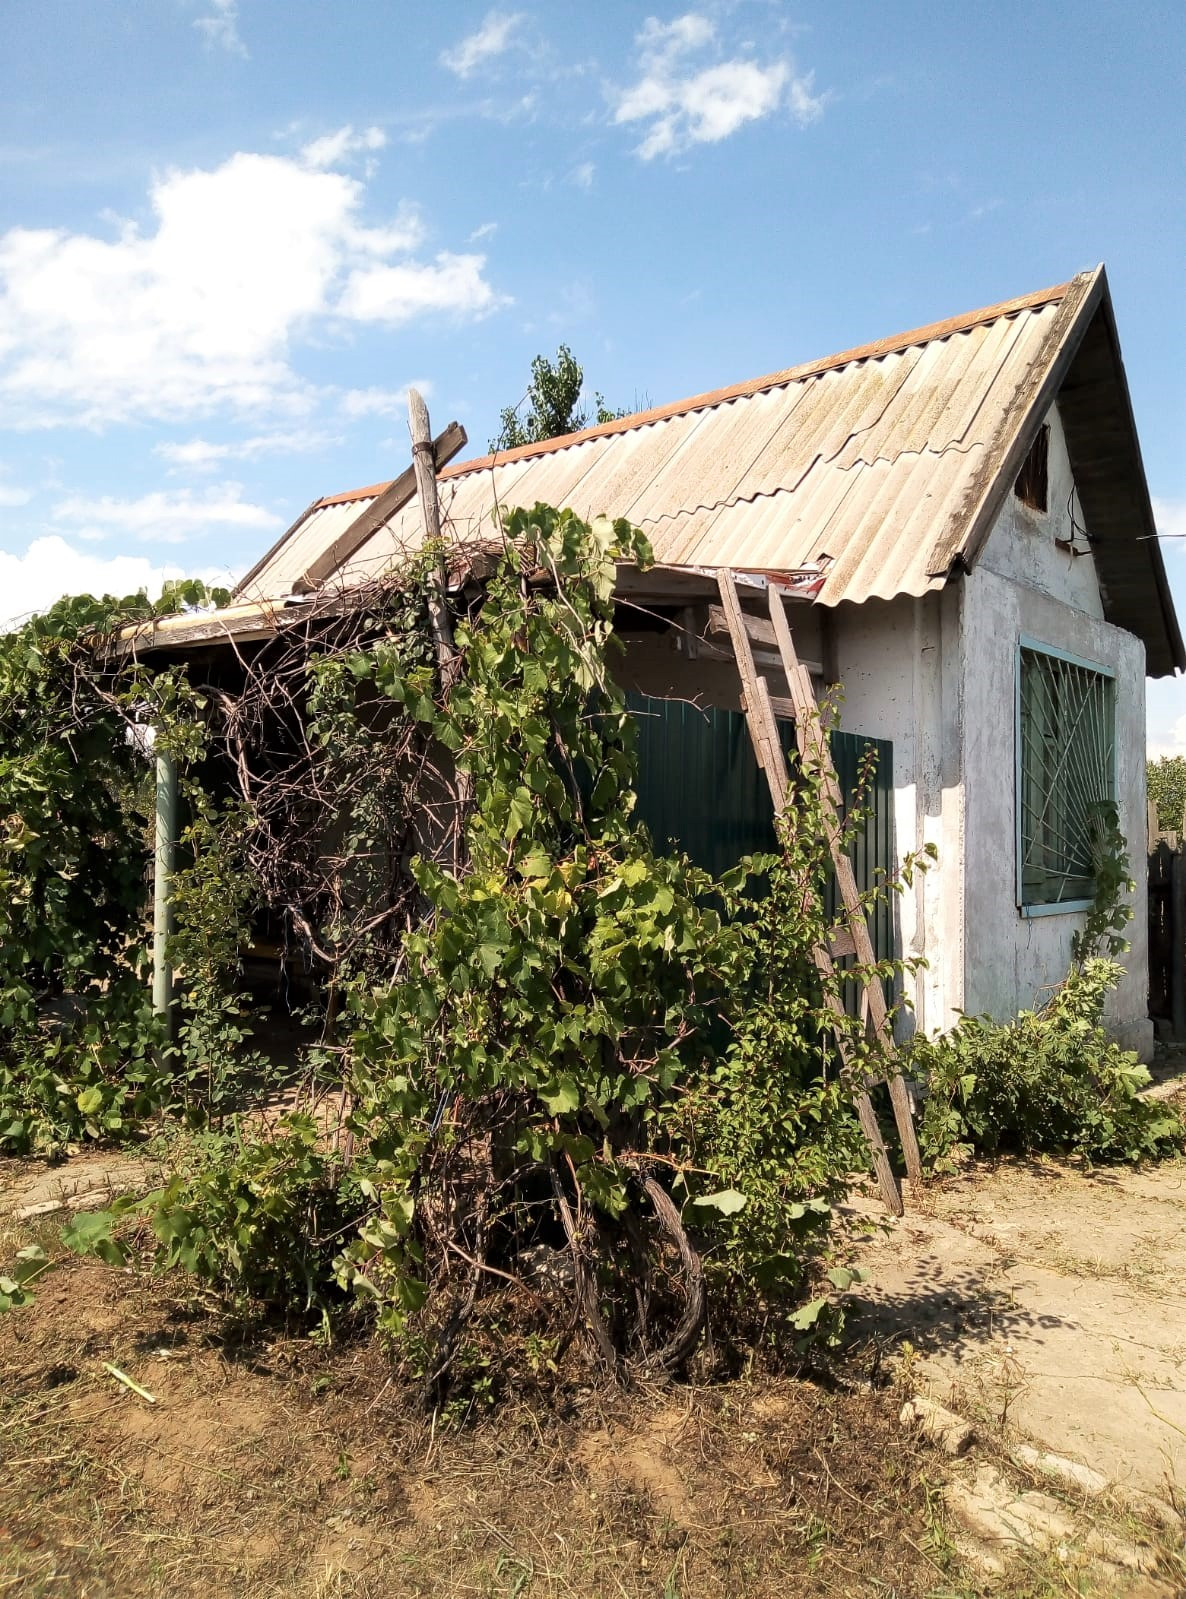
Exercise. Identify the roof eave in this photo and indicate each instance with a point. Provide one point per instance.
(964, 539)
(1149, 538)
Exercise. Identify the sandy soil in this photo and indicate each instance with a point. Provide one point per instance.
(277, 1470)
(1052, 1302)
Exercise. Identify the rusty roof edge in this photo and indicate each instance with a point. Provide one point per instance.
(701, 402)
(967, 532)
(372, 492)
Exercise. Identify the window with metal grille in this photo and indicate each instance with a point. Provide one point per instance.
(1066, 776)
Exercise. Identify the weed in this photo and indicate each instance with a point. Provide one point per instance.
(1051, 1079)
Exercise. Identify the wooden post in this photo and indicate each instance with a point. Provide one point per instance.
(380, 510)
(162, 896)
(763, 727)
(424, 464)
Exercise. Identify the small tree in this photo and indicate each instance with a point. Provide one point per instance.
(552, 404)
(1167, 789)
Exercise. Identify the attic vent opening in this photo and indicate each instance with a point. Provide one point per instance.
(1031, 485)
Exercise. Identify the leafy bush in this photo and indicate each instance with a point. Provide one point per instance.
(775, 1129)
(213, 896)
(1051, 1079)
(257, 1219)
(76, 1035)
(551, 1037)
(1167, 789)
(558, 1000)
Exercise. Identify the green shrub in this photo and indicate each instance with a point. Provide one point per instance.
(80, 1051)
(1051, 1079)
(1167, 789)
(550, 1037)
(775, 1129)
(257, 1219)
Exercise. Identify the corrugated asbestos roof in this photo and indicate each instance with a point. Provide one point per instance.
(884, 466)
(863, 462)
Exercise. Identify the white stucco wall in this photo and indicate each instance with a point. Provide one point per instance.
(938, 676)
(899, 663)
(1013, 958)
(1026, 584)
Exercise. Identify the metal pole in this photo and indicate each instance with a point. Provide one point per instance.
(162, 917)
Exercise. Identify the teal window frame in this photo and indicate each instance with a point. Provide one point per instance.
(1086, 763)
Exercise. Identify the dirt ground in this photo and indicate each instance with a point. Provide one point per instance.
(282, 1470)
(276, 1467)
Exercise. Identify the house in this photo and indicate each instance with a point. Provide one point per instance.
(959, 518)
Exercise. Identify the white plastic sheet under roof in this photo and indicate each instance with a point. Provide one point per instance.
(871, 466)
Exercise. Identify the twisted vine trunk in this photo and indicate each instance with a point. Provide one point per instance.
(671, 1355)
(584, 1282)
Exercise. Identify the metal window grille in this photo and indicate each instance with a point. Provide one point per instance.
(1067, 776)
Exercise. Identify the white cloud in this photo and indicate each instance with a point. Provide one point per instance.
(201, 455)
(582, 176)
(1174, 744)
(199, 314)
(221, 27)
(485, 230)
(1170, 516)
(686, 104)
(381, 402)
(490, 40)
(665, 41)
(805, 106)
(333, 148)
(451, 284)
(164, 518)
(51, 568)
(10, 495)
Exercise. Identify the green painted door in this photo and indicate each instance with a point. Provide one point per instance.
(700, 788)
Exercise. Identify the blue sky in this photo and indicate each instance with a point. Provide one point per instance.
(233, 231)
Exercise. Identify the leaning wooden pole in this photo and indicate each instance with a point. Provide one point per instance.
(812, 739)
(763, 726)
(425, 467)
(424, 462)
(165, 846)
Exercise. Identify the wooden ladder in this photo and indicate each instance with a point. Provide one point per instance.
(853, 938)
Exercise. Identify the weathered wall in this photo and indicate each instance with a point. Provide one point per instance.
(653, 664)
(1024, 543)
(1012, 957)
(899, 662)
(1024, 584)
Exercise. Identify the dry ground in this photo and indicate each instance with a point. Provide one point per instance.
(282, 1470)
(278, 1468)
(1052, 1302)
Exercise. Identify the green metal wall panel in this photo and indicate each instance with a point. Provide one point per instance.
(700, 788)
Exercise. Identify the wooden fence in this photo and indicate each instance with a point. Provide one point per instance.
(1167, 933)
